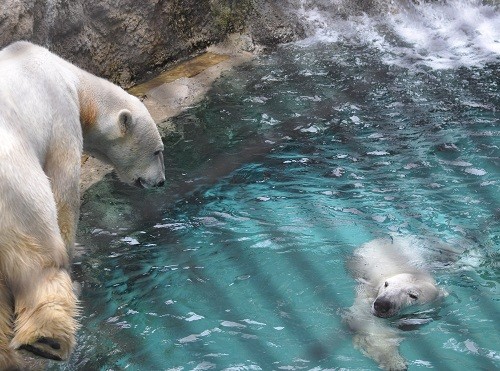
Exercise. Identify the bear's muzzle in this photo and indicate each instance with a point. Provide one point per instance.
(383, 308)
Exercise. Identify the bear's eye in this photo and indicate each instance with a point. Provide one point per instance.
(413, 296)
(386, 284)
(157, 153)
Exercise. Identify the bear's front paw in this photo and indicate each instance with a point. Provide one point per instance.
(45, 347)
(396, 363)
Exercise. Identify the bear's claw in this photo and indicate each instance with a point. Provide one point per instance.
(51, 342)
(41, 348)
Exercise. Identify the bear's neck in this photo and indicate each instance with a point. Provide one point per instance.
(88, 109)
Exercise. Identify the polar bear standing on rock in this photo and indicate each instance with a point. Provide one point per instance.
(50, 111)
(392, 275)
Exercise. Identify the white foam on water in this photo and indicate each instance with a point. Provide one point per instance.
(458, 33)
(437, 35)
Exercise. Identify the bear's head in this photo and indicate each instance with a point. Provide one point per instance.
(402, 291)
(126, 138)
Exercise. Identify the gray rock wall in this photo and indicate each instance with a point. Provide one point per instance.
(124, 39)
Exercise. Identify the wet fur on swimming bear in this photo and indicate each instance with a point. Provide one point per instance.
(392, 277)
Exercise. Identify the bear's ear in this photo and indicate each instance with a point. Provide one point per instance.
(124, 120)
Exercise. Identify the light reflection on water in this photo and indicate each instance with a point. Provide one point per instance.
(289, 164)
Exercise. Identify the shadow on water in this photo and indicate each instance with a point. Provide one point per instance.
(286, 167)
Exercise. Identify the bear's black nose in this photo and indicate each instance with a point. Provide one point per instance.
(382, 305)
(160, 183)
(138, 183)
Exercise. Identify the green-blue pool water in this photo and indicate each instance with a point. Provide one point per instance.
(290, 163)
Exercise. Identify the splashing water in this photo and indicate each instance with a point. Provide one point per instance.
(289, 164)
(438, 35)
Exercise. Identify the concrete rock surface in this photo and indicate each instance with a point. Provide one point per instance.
(124, 40)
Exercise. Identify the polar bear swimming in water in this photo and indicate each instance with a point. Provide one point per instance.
(51, 111)
(392, 275)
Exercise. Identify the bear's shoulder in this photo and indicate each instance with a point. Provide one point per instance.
(24, 51)
(25, 59)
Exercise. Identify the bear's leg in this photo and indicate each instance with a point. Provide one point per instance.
(383, 350)
(62, 166)
(35, 262)
(45, 312)
(8, 358)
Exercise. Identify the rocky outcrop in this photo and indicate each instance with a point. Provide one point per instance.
(123, 40)
(272, 22)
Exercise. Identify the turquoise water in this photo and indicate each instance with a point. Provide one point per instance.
(289, 164)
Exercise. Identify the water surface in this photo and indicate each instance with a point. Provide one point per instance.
(289, 164)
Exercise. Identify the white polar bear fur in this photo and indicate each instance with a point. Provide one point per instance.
(50, 111)
(393, 273)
